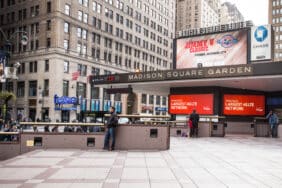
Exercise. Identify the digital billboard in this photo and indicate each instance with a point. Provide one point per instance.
(244, 105)
(185, 104)
(220, 49)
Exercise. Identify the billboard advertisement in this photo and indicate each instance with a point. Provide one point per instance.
(185, 104)
(244, 105)
(261, 43)
(220, 49)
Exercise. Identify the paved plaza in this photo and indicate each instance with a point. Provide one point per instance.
(233, 161)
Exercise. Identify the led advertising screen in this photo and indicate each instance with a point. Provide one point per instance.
(229, 48)
(185, 104)
(244, 105)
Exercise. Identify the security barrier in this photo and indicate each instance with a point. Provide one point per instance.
(128, 137)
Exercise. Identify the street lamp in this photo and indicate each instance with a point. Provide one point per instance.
(10, 72)
(41, 100)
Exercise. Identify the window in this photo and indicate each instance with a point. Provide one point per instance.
(46, 88)
(84, 49)
(67, 9)
(95, 92)
(78, 48)
(48, 43)
(144, 99)
(85, 3)
(20, 89)
(82, 69)
(158, 100)
(32, 92)
(66, 67)
(80, 15)
(48, 7)
(81, 89)
(95, 71)
(85, 18)
(48, 25)
(46, 67)
(10, 86)
(66, 27)
(84, 34)
(33, 66)
(66, 44)
(65, 88)
(164, 101)
(79, 31)
(151, 99)
(97, 7)
(21, 69)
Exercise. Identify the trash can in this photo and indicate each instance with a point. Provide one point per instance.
(218, 129)
(261, 130)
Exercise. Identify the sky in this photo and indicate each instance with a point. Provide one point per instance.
(255, 10)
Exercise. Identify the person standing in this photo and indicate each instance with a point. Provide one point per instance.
(273, 122)
(111, 130)
(194, 117)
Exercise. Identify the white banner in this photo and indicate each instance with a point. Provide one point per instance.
(261, 43)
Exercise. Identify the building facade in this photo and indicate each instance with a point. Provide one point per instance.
(196, 14)
(229, 13)
(275, 19)
(70, 40)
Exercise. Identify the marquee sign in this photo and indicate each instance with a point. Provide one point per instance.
(181, 74)
(191, 73)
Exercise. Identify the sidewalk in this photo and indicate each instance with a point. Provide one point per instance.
(234, 161)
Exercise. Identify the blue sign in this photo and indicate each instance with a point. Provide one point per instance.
(83, 104)
(261, 33)
(65, 100)
(161, 109)
(107, 105)
(65, 108)
(95, 105)
(118, 106)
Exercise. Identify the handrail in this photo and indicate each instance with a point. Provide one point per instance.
(60, 124)
(139, 116)
(8, 133)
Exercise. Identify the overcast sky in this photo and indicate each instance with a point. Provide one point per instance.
(255, 10)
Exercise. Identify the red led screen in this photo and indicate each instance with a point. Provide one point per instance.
(245, 105)
(185, 104)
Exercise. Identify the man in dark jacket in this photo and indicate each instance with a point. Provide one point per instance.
(111, 130)
(194, 117)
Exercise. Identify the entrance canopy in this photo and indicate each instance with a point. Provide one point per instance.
(266, 77)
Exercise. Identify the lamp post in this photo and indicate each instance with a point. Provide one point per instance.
(8, 70)
(41, 101)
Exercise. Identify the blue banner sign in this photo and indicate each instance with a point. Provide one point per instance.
(65, 100)
(95, 105)
(107, 105)
(118, 106)
(83, 105)
(161, 109)
(65, 108)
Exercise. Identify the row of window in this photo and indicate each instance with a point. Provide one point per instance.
(144, 99)
(82, 16)
(22, 14)
(33, 88)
